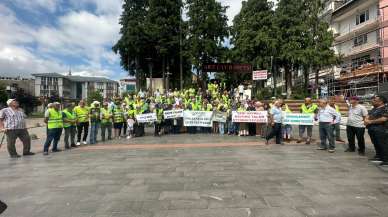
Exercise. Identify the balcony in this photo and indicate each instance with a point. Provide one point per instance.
(359, 49)
(365, 70)
(357, 30)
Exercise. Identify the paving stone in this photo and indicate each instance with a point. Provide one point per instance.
(179, 195)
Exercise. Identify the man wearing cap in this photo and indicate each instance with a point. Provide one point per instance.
(94, 114)
(54, 120)
(12, 122)
(355, 126)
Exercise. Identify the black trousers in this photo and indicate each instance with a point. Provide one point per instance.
(378, 136)
(85, 127)
(352, 133)
(158, 127)
(276, 132)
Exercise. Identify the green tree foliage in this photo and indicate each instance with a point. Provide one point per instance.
(94, 96)
(150, 29)
(207, 30)
(3, 96)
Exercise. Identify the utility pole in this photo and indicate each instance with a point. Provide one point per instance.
(180, 50)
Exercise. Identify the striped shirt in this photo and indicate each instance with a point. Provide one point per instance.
(13, 119)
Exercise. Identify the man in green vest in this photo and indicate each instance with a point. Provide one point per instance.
(106, 121)
(53, 119)
(337, 122)
(82, 115)
(158, 123)
(69, 125)
(307, 108)
(118, 119)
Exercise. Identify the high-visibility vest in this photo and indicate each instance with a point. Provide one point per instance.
(55, 119)
(287, 109)
(159, 114)
(82, 114)
(106, 116)
(241, 109)
(118, 115)
(309, 110)
(209, 107)
(131, 112)
(69, 116)
(337, 108)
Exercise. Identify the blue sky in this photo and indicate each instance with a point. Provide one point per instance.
(39, 36)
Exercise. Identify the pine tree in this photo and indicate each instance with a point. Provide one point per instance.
(207, 30)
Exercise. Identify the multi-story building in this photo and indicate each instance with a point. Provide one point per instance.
(14, 84)
(73, 87)
(359, 39)
(127, 85)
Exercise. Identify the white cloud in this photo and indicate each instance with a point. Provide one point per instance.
(233, 10)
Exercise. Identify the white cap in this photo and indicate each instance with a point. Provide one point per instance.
(96, 102)
(10, 101)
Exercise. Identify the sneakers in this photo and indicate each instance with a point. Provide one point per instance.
(321, 149)
(56, 150)
(331, 150)
(84, 142)
(29, 154)
(349, 150)
(45, 153)
(78, 144)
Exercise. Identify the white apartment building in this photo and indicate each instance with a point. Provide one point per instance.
(73, 87)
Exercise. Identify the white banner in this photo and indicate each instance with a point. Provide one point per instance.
(219, 117)
(172, 114)
(197, 119)
(260, 75)
(298, 119)
(146, 118)
(250, 117)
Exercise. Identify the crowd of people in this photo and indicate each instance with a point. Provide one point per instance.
(116, 118)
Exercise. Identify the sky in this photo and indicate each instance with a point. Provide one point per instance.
(42, 36)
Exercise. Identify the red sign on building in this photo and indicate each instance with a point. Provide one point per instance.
(227, 67)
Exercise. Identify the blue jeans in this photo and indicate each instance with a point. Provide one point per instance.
(53, 135)
(326, 133)
(93, 132)
(221, 128)
(233, 127)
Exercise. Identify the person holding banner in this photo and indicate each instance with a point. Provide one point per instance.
(307, 108)
(243, 128)
(275, 118)
(138, 127)
(158, 123)
(106, 121)
(287, 129)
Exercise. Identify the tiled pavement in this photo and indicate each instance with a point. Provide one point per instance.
(230, 181)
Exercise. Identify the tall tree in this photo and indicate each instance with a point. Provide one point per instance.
(149, 34)
(253, 34)
(318, 42)
(207, 30)
(289, 21)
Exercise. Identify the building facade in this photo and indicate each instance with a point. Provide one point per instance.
(73, 87)
(359, 39)
(14, 84)
(127, 85)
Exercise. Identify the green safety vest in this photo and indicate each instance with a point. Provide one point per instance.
(82, 114)
(159, 114)
(69, 116)
(337, 108)
(118, 115)
(309, 110)
(106, 116)
(287, 109)
(55, 119)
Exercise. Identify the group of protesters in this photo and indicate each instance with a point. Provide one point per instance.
(117, 118)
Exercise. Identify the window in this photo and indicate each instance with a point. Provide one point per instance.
(360, 40)
(363, 17)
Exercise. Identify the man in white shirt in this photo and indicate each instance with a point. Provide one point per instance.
(327, 116)
(276, 122)
(355, 126)
(241, 90)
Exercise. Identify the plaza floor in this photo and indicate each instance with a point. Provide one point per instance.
(193, 176)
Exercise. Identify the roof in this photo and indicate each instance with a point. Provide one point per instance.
(345, 7)
(75, 78)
